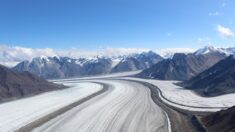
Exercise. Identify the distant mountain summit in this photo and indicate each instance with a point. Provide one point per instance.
(181, 66)
(184, 66)
(207, 49)
(64, 67)
(16, 85)
(217, 80)
(210, 49)
(137, 62)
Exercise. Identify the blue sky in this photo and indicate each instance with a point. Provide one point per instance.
(92, 24)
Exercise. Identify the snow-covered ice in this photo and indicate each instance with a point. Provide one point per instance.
(16, 114)
(187, 99)
(113, 75)
(126, 107)
(178, 96)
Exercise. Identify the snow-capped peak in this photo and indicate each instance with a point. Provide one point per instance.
(205, 50)
(209, 49)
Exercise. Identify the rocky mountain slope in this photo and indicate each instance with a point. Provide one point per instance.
(63, 67)
(137, 62)
(221, 121)
(17, 85)
(219, 79)
(184, 66)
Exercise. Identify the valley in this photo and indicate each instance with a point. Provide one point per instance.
(127, 104)
(117, 66)
(121, 101)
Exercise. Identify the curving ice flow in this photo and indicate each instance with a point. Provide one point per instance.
(187, 99)
(16, 114)
(112, 75)
(180, 97)
(125, 107)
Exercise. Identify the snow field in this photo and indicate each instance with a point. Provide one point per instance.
(127, 106)
(187, 99)
(16, 114)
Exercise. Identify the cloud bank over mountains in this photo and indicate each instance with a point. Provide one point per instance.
(11, 55)
(169, 52)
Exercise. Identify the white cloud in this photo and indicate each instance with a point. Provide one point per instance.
(122, 51)
(224, 32)
(10, 56)
(168, 34)
(223, 4)
(215, 13)
(108, 52)
(169, 52)
(205, 41)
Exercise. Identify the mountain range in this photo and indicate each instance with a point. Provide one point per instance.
(64, 67)
(181, 66)
(185, 66)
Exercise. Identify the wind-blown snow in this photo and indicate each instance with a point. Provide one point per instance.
(16, 114)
